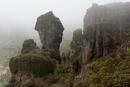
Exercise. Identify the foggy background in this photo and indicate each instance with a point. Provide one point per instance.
(19, 16)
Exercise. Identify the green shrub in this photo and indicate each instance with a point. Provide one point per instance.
(109, 72)
(51, 79)
(37, 65)
(80, 84)
(128, 50)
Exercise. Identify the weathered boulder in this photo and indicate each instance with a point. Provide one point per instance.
(105, 28)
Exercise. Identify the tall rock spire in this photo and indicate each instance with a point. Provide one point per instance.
(50, 30)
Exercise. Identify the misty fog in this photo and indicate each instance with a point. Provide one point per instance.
(19, 16)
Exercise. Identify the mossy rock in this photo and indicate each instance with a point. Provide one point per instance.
(28, 46)
(36, 65)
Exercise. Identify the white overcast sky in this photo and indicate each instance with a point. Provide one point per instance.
(22, 14)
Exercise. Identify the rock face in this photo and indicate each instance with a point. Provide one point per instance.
(105, 28)
(50, 31)
(76, 50)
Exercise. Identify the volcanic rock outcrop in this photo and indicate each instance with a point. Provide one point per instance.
(105, 28)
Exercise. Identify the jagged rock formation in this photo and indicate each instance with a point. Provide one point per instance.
(50, 31)
(76, 50)
(105, 28)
